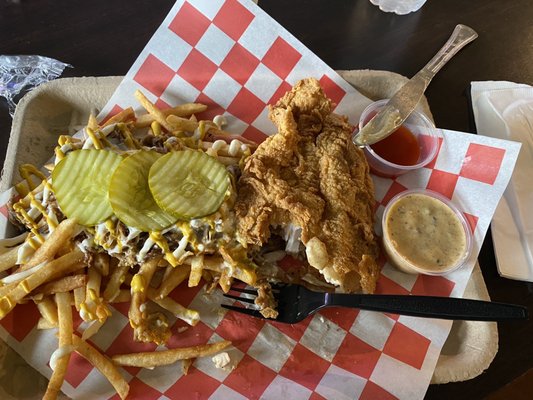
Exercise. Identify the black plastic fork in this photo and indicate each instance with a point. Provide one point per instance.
(295, 303)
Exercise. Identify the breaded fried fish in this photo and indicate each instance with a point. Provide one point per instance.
(311, 186)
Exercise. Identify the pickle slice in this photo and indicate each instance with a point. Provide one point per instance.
(130, 196)
(81, 181)
(188, 184)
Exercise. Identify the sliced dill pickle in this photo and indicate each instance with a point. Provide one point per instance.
(188, 184)
(130, 196)
(81, 181)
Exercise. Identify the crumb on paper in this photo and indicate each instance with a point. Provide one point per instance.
(223, 361)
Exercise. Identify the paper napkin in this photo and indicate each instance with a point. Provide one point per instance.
(505, 110)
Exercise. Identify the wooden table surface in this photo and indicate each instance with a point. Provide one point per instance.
(100, 38)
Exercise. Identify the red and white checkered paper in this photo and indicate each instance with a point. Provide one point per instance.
(232, 56)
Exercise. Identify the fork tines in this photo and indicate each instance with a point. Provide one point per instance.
(242, 310)
(250, 311)
(247, 291)
(242, 299)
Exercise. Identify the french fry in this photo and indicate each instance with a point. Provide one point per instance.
(9, 258)
(94, 308)
(183, 110)
(65, 284)
(141, 280)
(176, 276)
(156, 128)
(45, 324)
(95, 137)
(54, 242)
(67, 248)
(63, 301)
(125, 115)
(211, 279)
(156, 113)
(129, 140)
(123, 296)
(48, 309)
(168, 270)
(197, 264)
(36, 297)
(192, 317)
(225, 281)
(92, 123)
(63, 265)
(139, 288)
(166, 357)
(94, 279)
(240, 272)
(17, 275)
(6, 288)
(186, 364)
(103, 364)
(182, 124)
(79, 297)
(118, 274)
(64, 313)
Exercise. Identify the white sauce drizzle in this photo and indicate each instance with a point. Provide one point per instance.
(22, 274)
(24, 253)
(145, 249)
(132, 234)
(234, 147)
(219, 145)
(220, 121)
(180, 251)
(59, 353)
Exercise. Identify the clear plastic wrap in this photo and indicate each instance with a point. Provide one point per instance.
(19, 74)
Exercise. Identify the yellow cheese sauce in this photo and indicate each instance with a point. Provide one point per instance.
(421, 232)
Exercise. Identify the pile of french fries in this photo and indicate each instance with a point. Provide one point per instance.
(47, 266)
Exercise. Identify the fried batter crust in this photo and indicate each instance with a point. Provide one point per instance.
(310, 175)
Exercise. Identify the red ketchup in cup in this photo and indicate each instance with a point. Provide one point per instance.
(412, 146)
(401, 147)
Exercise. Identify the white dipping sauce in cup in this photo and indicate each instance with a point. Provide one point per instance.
(424, 233)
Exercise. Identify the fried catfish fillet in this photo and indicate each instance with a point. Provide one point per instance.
(311, 183)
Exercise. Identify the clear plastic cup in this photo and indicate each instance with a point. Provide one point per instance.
(425, 233)
(400, 7)
(419, 125)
